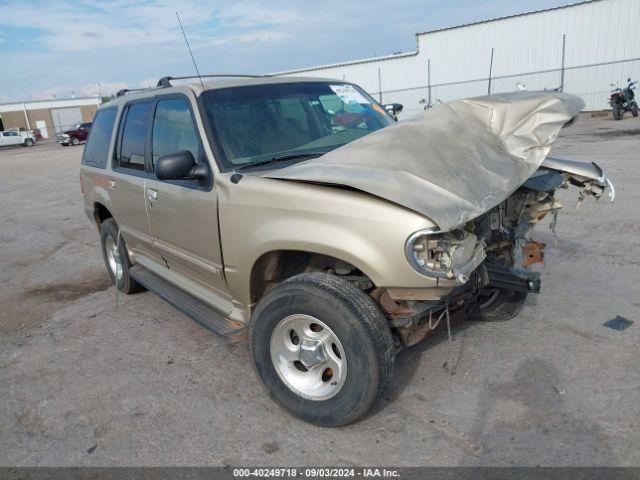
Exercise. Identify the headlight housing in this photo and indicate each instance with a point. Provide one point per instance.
(452, 255)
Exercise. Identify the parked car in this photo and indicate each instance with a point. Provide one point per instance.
(17, 137)
(296, 213)
(77, 134)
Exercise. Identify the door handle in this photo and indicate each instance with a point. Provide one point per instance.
(152, 194)
(112, 184)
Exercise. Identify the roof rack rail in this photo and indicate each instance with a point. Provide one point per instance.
(124, 91)
(165, 82)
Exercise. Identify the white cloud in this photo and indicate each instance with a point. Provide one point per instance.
(72, 28)
(148, 83)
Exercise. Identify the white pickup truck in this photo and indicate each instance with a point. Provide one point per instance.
(16, 137)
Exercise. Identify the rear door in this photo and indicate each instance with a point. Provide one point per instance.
(183, 214)
(126, 182)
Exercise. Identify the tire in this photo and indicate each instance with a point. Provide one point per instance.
(618, 113)
(28, 142)
(634, 111)
(364, 348)
(75, 141)
(499, 305)
(108, 240)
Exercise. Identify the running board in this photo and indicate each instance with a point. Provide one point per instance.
(192, 307)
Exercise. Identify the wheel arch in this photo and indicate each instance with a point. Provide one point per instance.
(100, 213)
(275, 266)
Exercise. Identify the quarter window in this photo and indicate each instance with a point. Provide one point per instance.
(133, 135)
(173, 129)
(97, 149)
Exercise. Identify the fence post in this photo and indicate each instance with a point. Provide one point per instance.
(429, 80)
(564, 43)
(490, 71)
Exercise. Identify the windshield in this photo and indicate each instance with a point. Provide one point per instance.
(257, 123)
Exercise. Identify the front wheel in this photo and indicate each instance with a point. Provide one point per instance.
(499, 305)
(75, 141)
(634, 110)
(28, 142)
(322, 348)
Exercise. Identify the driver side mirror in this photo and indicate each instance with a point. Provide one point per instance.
(180, 166)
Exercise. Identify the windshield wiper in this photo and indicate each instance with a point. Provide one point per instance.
(281, 158)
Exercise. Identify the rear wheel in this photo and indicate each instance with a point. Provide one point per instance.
(634, 111)
(499, 305)
(618, 112)
(116, 258)
(322, 348)
(28, 142)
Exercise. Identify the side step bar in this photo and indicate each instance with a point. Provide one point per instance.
(192, 307)
(503, 277)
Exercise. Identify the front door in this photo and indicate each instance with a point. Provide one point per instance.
(183, 215)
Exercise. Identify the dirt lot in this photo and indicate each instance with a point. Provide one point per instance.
(85, 383)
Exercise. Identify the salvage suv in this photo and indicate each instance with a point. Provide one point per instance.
(296, 213)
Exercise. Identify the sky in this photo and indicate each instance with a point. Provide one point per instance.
(56, 49)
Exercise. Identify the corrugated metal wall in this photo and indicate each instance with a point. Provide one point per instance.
(602, 46)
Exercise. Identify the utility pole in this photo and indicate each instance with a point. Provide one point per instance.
(379, 86)
(26, 116)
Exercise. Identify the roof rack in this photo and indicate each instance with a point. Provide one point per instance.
(124, 91)
(165, 82)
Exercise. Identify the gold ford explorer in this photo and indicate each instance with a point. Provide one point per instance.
(297, 213)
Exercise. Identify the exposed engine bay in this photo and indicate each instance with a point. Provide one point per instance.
(493, 254)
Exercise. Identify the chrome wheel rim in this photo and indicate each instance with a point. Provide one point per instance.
(308, 357)
(113, 258)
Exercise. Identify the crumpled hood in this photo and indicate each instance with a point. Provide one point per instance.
(453, 162)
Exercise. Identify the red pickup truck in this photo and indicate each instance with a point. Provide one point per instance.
(77, 134)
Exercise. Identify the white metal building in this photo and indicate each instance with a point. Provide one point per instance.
(581, 48)
(48, 116)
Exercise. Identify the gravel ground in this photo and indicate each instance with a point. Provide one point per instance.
(86, 382)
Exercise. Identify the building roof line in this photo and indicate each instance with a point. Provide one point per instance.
(506, 17)
(349, 62)
(50, 100)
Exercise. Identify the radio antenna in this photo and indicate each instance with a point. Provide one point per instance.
(189, 48)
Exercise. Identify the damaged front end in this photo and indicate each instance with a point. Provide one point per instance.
(479, 170)
(492, 255)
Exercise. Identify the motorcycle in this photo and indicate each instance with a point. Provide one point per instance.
(623, 100)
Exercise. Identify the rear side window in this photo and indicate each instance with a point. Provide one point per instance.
(96, 151)
(133, 133)
(173, 129)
